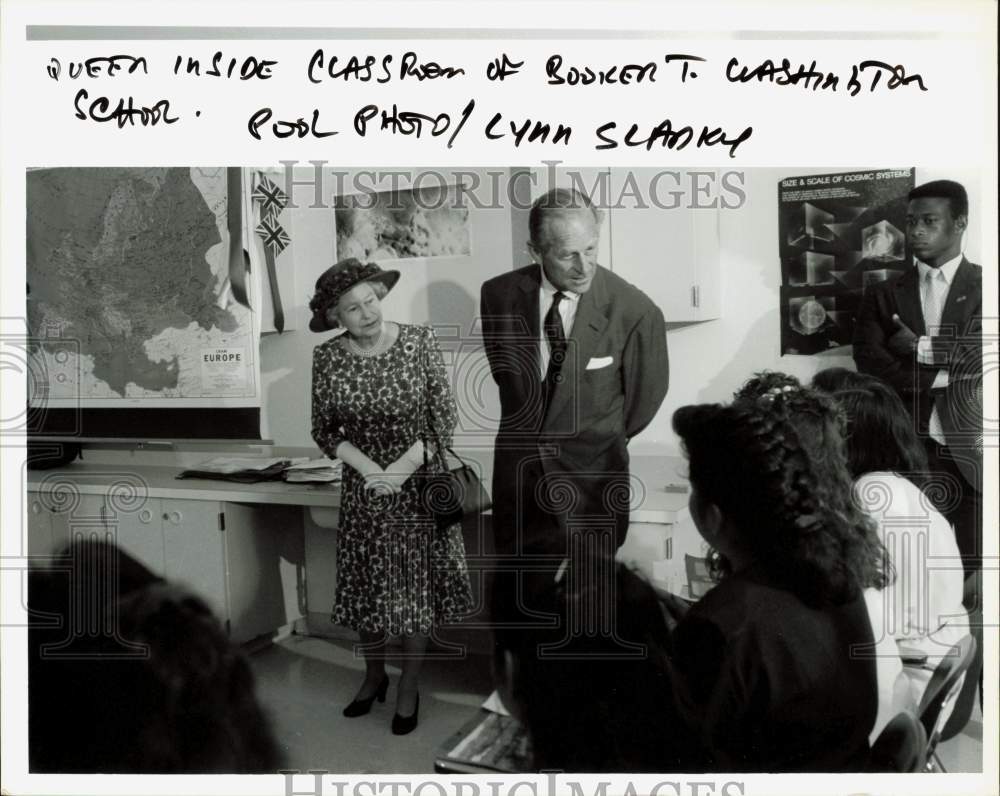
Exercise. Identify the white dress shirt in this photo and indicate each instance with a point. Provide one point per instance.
(567, 311)
(924, 354)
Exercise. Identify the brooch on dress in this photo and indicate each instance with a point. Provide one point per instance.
(409, 347)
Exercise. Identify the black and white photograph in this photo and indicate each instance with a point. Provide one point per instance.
(401, 225)
(571, 470)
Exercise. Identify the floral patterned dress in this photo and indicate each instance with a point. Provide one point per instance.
(396, 573)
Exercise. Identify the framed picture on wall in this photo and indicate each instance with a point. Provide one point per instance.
(411, 223)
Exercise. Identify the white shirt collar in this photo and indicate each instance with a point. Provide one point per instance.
(549, 290)
(948, 269)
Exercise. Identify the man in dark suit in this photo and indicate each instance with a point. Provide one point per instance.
(580, 358)
(922, 333)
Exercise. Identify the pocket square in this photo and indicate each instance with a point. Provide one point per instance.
(596, 363)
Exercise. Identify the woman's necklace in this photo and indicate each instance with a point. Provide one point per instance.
(374, 350)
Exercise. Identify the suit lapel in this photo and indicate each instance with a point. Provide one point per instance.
(588, 328)
(525, 305)
(960, 299)
(908, 301)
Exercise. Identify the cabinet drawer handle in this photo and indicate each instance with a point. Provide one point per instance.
(176, 517)
(36, 507)
(145, 516)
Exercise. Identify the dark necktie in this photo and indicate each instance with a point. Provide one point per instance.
(557, 344)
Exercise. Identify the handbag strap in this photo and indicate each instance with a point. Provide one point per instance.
(429, 426)
(425, 413)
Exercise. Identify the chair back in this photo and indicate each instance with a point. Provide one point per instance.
(943, 687)
(698, 577)
(901, 747)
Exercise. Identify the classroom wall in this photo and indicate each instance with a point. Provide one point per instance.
(709, 360)
(441, 291)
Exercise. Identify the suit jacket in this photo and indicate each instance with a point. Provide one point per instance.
(960, 340)
(613, 381)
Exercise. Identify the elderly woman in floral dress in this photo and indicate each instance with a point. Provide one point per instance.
(379, 393)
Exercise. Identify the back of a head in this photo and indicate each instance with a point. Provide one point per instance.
(819, 425)
(829, 380)
(880, 433)
(590, 687)
(158, 688)
(763, 463)
(765, 382)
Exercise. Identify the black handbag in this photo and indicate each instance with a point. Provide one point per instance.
(449, 495)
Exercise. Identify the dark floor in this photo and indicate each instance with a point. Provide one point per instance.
(305, 682)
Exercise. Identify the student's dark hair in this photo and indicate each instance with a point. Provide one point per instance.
(830, 380)
(776, 467)
(554, 203)
(880, 434)
(591, 700)
(953, 191)
(766, 381)
(158, 689)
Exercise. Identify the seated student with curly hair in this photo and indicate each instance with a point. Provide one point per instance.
(764, 667)
(821, 426)
(889, 466)
(130, 674)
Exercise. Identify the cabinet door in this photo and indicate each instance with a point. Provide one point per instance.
(73, 515)
(670, 253)
(138, 530)
(39, 542)
(193, 548)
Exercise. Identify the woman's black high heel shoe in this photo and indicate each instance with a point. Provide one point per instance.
(401, 725)
(359, 707)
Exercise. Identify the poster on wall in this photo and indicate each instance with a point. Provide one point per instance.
(838, 234)
(400, 225)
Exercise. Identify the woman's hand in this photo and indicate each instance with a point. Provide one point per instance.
(389, 481)
(382, 482)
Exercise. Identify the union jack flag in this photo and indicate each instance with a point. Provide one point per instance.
(272, 199)
(274, 236)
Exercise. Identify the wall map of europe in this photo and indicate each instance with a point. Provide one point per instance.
(128, 292)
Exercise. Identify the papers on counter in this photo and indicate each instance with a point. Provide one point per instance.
(225, 465)
(315, 471)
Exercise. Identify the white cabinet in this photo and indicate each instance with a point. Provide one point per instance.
(656, 232)
(244, 560)
(670, 253)
(194, 549)
(139, 533)
(59, 512)
(39, 528)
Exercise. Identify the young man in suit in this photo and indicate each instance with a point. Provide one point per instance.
(580, 358)
(922, 333)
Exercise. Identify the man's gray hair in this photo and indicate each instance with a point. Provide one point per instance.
(557, 202)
